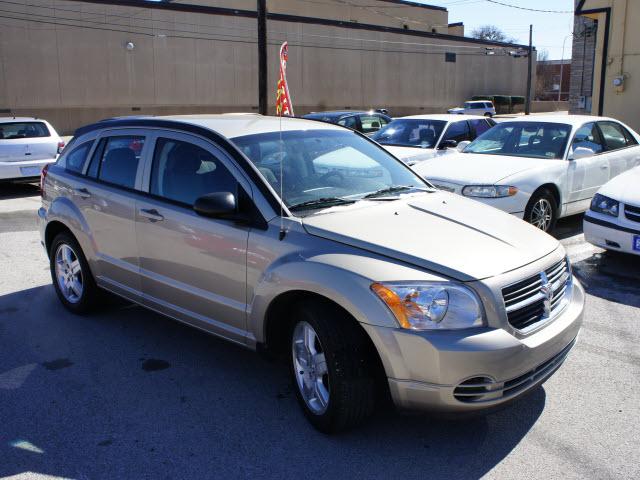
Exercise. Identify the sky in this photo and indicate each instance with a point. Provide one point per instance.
(549, 29)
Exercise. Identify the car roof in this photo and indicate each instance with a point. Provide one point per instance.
(20, 119)
(445, 117)
(340, 113)
(229, 125)
(574, 120)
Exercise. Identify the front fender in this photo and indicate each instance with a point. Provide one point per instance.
(321, 275)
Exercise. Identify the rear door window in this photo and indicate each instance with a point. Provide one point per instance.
(370, 123)
(77, 158)
(458, 131)
(349, 122)
(118, 161)
(587, 136)
(478, 127)
(13, 130)
(182, 172)
(614, 135)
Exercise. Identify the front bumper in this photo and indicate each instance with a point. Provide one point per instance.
(23, 170)
(611, 233)
(426, 369)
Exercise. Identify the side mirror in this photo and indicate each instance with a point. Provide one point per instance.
(216, 205)
(462, 145)
(447, 144)
(581, 152)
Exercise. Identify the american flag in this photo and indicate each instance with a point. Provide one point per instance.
(283, 99)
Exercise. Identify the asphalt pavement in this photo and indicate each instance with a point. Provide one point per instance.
(128, 394)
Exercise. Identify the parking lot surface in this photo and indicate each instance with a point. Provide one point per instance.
(127, 393)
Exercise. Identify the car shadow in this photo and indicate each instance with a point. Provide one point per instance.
(568, 227)
(9, 190)
(612, 276)
(127, 393)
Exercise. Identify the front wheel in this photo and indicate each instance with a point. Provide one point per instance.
(542, 211)
(331, 367)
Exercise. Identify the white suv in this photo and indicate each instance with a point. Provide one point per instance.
(479, 107)
(26, 145)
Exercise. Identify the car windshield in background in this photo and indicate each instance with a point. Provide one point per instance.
(325, 167)
(421, 133)
(523, 139)
(11, 130)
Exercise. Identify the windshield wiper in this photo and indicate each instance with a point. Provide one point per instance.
(396, 188)
(321, 202)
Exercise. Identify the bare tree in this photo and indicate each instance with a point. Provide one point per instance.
(491, 33)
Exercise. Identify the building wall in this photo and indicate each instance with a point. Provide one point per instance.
(548, 75)
(70, 64)
(621, 60)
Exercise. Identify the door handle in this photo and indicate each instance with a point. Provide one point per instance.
(152, 214)
(81, 192)
(604, 167)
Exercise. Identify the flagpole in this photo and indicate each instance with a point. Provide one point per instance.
(262, 57)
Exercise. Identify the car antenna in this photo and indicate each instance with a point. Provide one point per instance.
(283, 232)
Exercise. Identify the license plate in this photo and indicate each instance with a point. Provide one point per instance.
(30, 171)
(636, 243)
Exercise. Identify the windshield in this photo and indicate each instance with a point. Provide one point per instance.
(523, 139)
(9, 131)
(325, 164)
(421, 133)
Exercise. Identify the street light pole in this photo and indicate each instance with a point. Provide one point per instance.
(262, 57)
(562, 66)
(527, 107)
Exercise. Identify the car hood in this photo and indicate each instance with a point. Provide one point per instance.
(624, 187)
(473, 169)
(411, 154)
(438, 231)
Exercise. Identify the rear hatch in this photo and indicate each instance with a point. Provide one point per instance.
(26, 141)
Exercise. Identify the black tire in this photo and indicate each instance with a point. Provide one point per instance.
(89, 297)
(487, 114)
(350, 365)
(531, 214)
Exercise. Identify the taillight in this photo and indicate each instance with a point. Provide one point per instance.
(43, 175)
(60, 146)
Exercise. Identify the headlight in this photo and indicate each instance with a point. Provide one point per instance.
(489, 191)
(429, 306)
(606, 205)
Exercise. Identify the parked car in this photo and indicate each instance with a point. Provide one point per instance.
(613, 220)
(26, 145)
(364, 283)
(421, 137)
(475, 107)
(365, 122)
(539, 168)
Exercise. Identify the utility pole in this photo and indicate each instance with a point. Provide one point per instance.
(262, 57)
(527, 107)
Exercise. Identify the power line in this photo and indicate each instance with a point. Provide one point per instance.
(527, 8)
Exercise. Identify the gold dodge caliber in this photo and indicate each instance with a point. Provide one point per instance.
(311, 241)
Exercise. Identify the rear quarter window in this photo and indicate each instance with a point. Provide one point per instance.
(13, 130)
(76, 158)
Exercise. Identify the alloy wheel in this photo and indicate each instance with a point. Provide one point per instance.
(542, 214)
(311, 372)
(69, 273)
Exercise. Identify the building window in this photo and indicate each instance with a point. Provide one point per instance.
(450, 57)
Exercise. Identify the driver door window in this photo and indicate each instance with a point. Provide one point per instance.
(588, 136)
(458, 131)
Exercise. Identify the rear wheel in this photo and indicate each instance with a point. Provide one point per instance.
(542, 211)
(487, 114)
(331, 366)
(71, 276)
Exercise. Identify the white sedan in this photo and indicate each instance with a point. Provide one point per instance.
(421, 137)
(613, 221)
(539, 168)
(26, 146)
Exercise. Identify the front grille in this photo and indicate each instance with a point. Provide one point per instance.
(538, 298)
(632, 213)
(484, 389)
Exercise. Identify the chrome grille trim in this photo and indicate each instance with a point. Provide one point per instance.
(483, 389)
(537, 299)
(632, 213)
